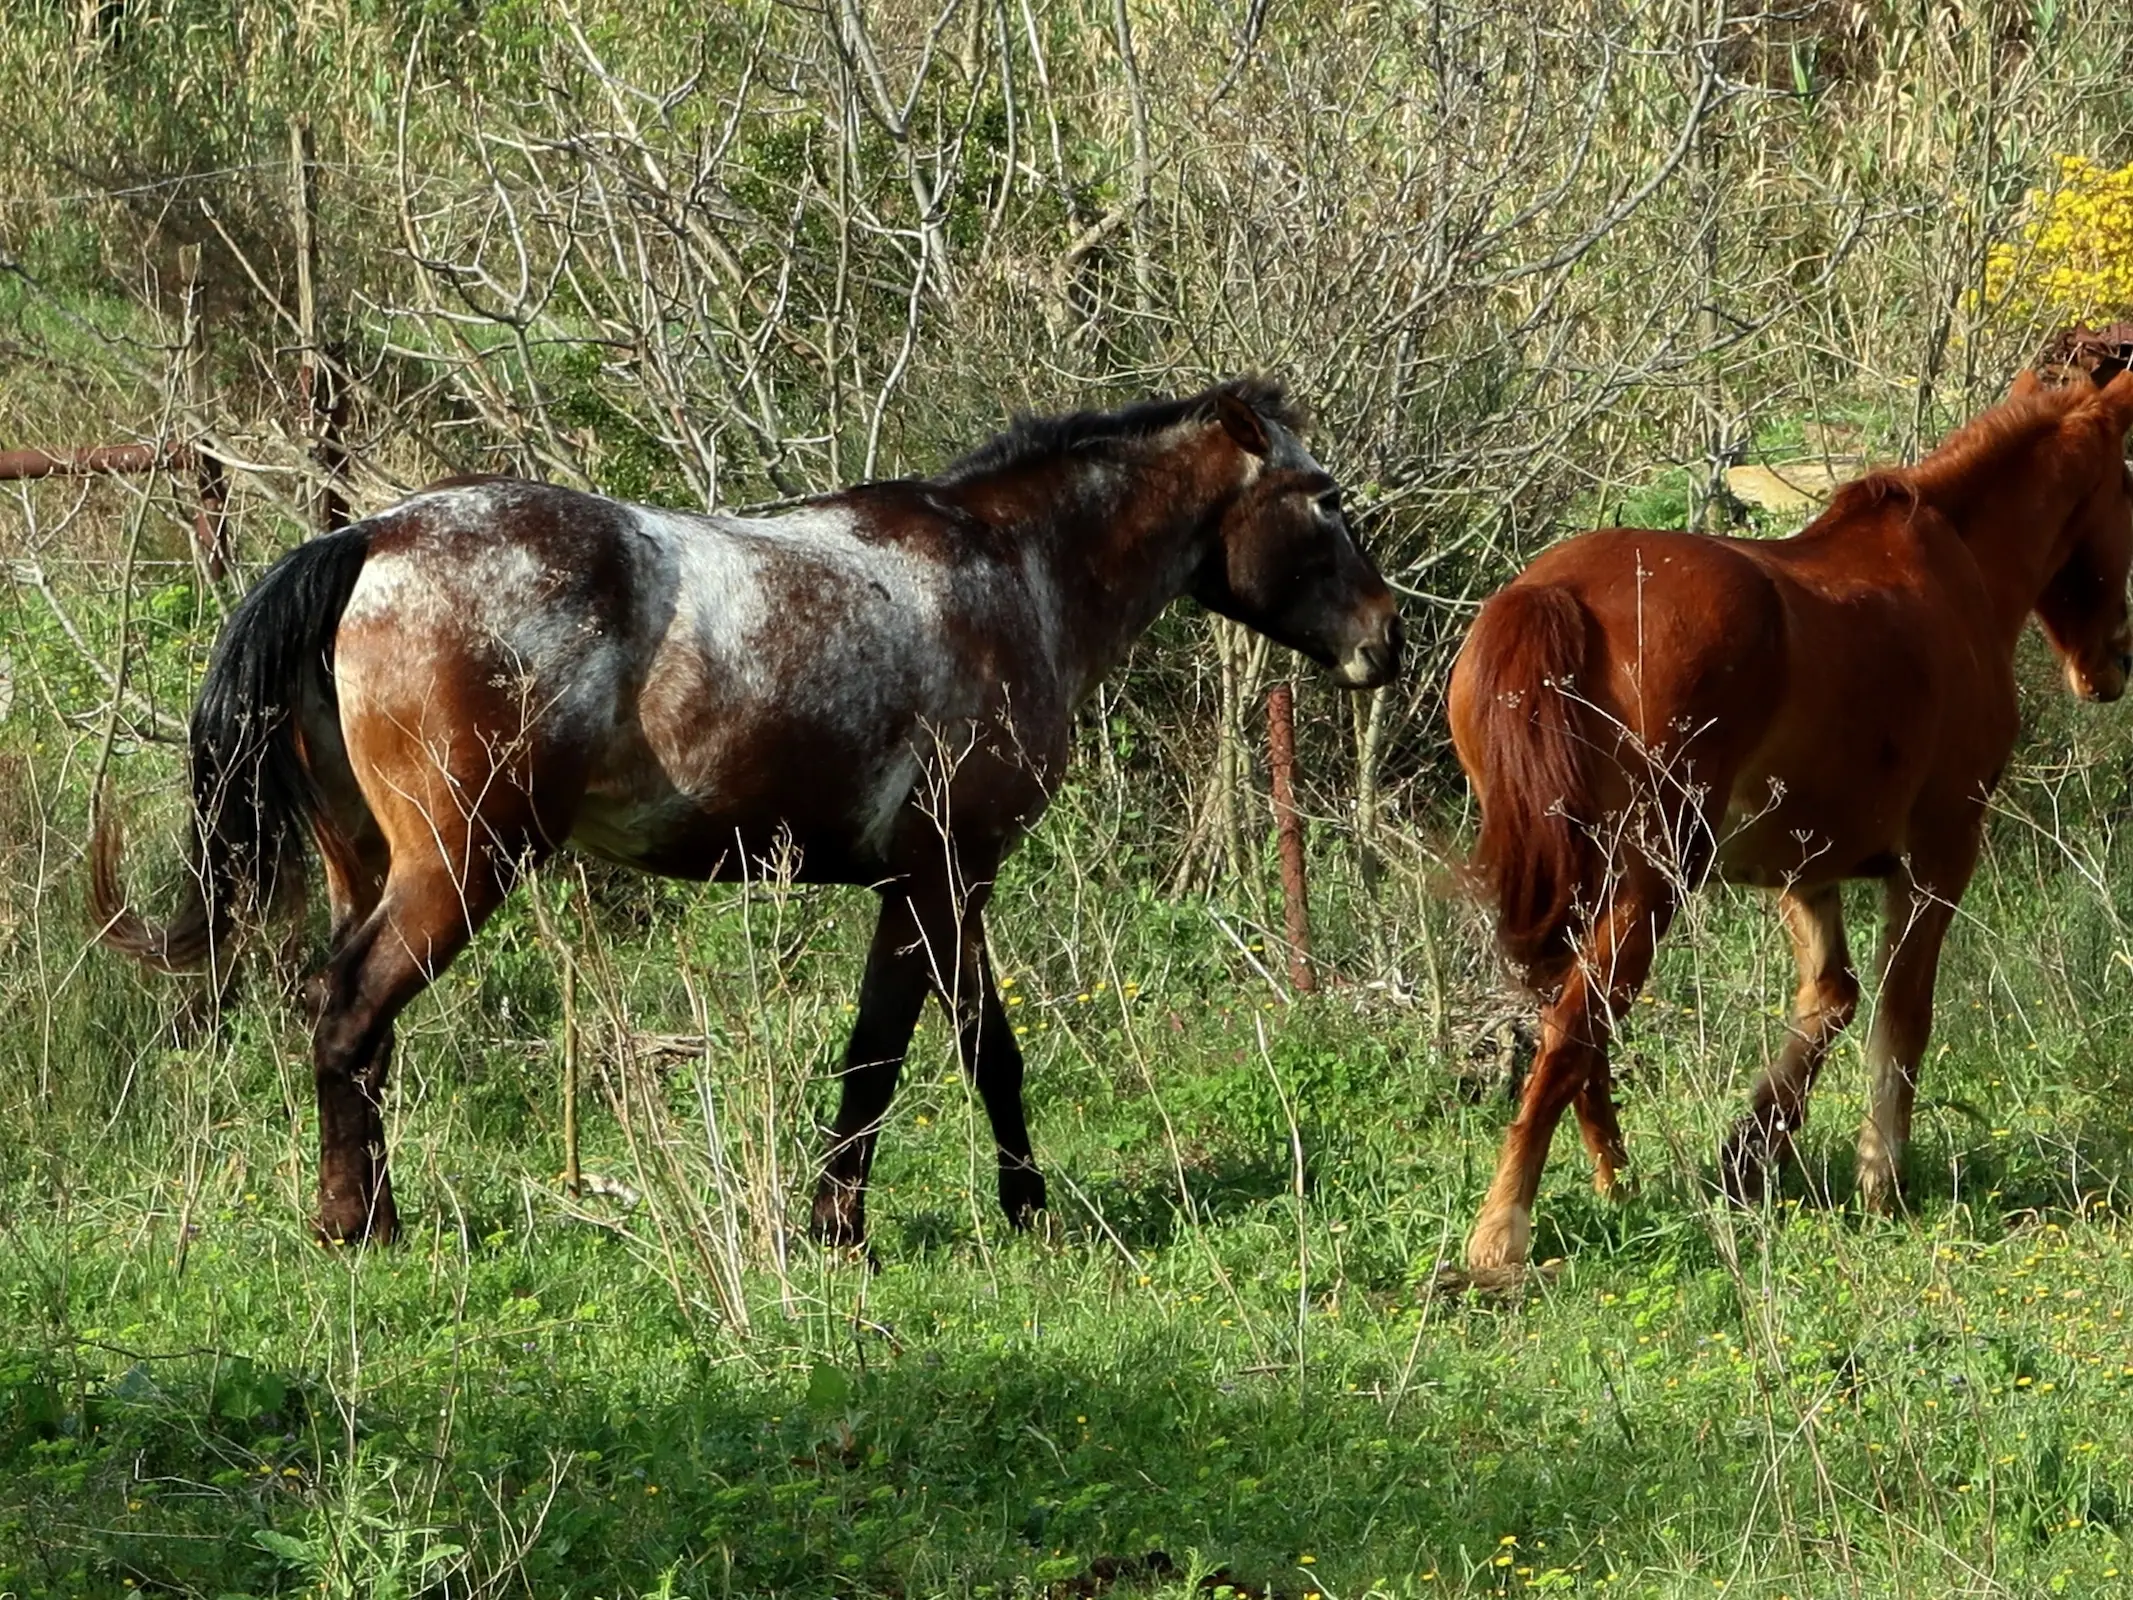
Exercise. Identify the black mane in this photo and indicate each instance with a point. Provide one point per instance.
(1031, 438)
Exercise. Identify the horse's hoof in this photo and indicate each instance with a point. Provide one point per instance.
(1748, 1162)
(1021, 1196)
(860, 1254)
(1500, 1241)
(1743, 1177)
(839, 1221)
(1879, 1193)
(343, 1226)
(1509, 1283)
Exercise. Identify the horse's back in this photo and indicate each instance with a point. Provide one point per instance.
(1790, 689)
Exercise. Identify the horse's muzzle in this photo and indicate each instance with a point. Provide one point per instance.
(1375, 661)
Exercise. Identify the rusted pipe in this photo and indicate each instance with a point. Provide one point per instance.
(19, 464)
(1295, 894)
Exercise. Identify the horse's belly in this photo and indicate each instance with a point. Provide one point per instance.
(806, 808)
(705, 849)
(1777, 834)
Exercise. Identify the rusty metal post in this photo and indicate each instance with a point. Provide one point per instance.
(317, 386)
(210, 531)
(211, 535)
(1295, 893)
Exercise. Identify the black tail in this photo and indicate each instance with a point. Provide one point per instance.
(253, 796)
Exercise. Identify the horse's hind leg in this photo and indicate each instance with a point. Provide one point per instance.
(1601, 1128)
(1612, 965)
(1828, 996)
(355, 866)
(457, 825)
(424, 918)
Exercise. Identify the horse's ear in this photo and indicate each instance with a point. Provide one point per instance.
(2026, 383)
(1244, 425)
(2118, 396)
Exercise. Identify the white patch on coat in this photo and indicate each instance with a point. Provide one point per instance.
(742, 586)
(464, 588)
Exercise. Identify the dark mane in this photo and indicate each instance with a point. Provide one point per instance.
(1031, 438)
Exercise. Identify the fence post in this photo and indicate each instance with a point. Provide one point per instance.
(317, 386)
(1295, 894)
(210, 535)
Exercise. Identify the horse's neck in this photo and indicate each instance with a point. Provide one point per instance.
(1118, 541)
(2014, 540)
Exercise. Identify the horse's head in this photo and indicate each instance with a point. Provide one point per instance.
(2083, 607)
(1285, 563)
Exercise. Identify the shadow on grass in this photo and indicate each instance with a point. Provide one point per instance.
(913, 1472)
(1146, 1212)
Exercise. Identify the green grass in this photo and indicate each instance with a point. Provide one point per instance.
(1226, 1351)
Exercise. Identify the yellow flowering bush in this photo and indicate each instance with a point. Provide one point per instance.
(2074, 258)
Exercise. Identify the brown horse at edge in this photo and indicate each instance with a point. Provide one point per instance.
(1638, 710)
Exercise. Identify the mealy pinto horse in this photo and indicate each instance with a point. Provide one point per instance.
(1637, 710)
(881, 681)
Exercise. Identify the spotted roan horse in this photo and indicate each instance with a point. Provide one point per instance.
(878, 685)
(1638, 710)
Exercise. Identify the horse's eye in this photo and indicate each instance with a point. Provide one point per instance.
(1328, 505)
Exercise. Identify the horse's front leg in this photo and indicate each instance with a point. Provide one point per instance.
(891, 996)
(986, 1042)
(1917, 922)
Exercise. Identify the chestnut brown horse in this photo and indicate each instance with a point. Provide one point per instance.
(1637, 710)
(880, 684)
